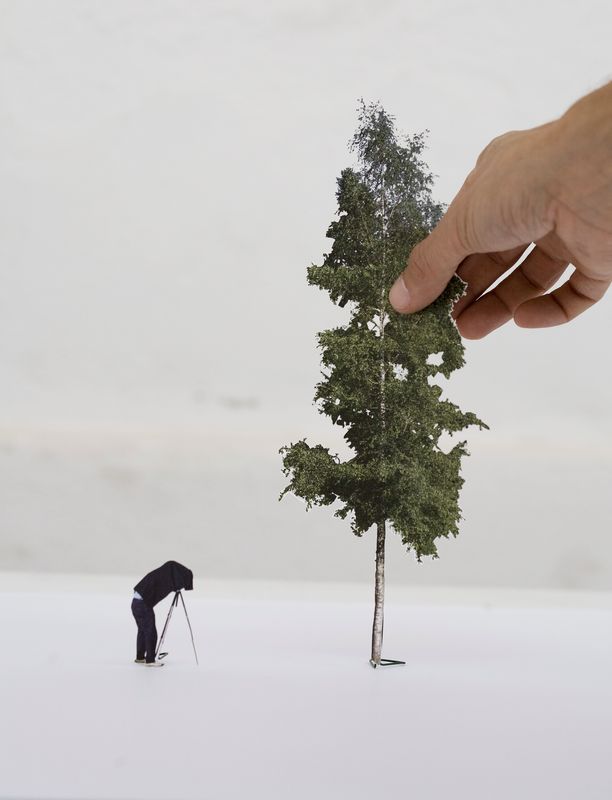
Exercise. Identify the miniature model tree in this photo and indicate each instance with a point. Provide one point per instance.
(378, 368)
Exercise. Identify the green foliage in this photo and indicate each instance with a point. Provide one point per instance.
(378, 369)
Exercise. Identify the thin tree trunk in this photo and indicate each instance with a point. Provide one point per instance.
(379, 583)
(379, 595)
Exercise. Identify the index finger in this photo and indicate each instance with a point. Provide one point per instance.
(431, 265)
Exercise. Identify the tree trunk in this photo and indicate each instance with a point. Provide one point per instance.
(379, 583)
(379, 595)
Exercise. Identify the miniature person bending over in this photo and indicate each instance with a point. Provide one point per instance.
(170, 577)
(551, 186)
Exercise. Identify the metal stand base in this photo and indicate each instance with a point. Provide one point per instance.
(386, 662)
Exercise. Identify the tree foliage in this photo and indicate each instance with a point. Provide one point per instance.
(378, 369)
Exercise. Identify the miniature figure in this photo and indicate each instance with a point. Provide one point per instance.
(170, 577)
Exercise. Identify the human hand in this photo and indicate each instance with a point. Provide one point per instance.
(551, 186)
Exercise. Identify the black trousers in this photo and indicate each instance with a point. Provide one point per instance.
(146, 640)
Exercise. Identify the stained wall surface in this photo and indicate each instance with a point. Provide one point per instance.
(167, 173)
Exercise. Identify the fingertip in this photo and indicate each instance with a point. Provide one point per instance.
(540, 312)
(400, 297)
(482, 317)
(527, 321)
(470, 329)
(521, 322)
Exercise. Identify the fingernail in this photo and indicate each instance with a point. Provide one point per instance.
(399, 296)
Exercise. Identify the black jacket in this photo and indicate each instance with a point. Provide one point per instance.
(170, 577)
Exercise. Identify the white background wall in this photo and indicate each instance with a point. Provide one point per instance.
(167, 173)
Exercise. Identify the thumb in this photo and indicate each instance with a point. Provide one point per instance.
(431, 265)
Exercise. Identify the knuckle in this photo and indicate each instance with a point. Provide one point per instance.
(495, 145)
(471, 178)
(465, 228)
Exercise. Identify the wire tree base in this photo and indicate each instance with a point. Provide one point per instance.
(386, 662)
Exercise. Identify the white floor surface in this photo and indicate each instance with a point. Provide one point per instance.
(498, 700)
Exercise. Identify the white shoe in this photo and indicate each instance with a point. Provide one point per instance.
(139, 661)
(153, 664)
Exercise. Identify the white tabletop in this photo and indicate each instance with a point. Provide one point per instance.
(504, 695)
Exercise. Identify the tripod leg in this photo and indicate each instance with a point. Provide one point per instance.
(163, 636)
(190, 630)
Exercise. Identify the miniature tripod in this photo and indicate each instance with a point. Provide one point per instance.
(174, 603)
